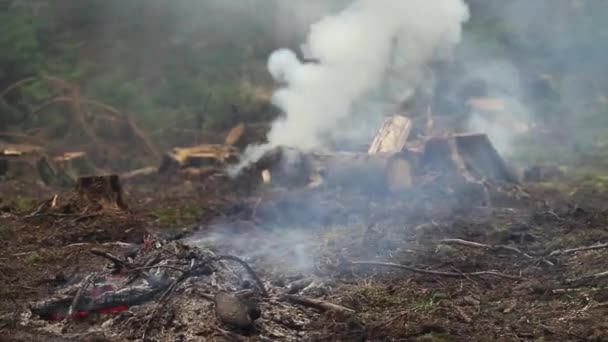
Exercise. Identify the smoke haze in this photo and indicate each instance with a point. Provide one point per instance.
(353, 52)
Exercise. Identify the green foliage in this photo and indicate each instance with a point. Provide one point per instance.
(24, 205)
(175, 216)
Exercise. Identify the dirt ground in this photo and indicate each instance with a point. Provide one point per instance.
(312, 237)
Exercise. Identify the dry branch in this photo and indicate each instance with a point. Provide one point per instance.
(249, 270)
(578, 249)
(494, 248)
(319, 304)
(116, 260)
(587, 279)
(436, 273)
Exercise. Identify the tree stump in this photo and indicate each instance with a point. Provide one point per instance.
(32, 163)
(105, 191)
(468, 157)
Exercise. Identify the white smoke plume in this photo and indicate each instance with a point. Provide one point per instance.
(355, 52)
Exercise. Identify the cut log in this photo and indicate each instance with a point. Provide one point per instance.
(369, 172)
(103, 190)
(392, 136)
(198, 156)
(465, 157)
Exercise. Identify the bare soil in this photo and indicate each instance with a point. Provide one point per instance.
(312, 237)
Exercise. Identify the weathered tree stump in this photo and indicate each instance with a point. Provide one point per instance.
(105, 191)
(465, 157)
(32, 163)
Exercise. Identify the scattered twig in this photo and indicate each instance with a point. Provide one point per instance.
(319, 304)
(231, 336)
(85, 284)
(484, 246)
(249, 270)
(578, 249)
(116, 260)
(436, 273)
(462, 314)
(16, 85)
(496, 248)
(157, 266)
(602, 305)
(586, 279)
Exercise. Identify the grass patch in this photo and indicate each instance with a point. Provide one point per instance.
(382, 298)
(173, 216)
(23, 205)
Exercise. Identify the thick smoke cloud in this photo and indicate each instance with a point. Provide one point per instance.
(354, 51)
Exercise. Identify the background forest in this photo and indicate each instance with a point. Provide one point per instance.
(184, 66)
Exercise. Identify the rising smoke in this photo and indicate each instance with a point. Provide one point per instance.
(354, 53)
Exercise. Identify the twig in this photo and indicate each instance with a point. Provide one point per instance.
(161, 302)
(462, 314)
(16, 85)
(164, 298)
(585, 279)
(81, 290)
(578, 249)
(436, 273)
(231, 336)
(249, 270)
(319, 304)
(116, 260)
(157, 266)
(599, 305)
(496, 248)
(484, 246)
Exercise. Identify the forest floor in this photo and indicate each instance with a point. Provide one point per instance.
(304, 243)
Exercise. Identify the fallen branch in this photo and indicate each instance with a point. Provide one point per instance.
(116, 260)
(436, 273)
(484, 246)
(494, 248)
(319, 304)
(249, 270)
(602, 305)
(578, 249)
(586, 279)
